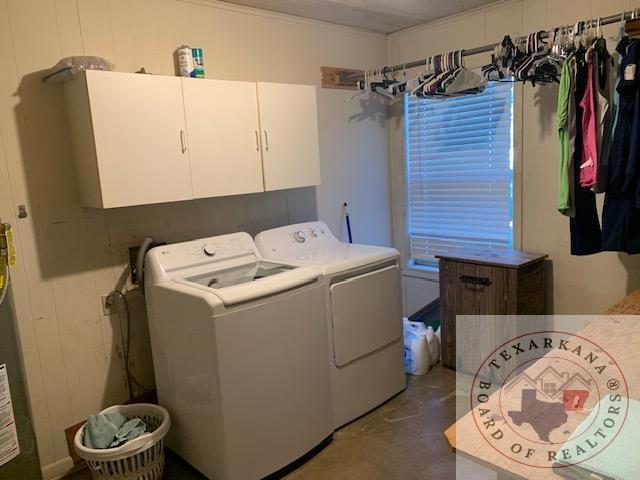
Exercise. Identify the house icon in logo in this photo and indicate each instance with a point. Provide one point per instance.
(550, 384)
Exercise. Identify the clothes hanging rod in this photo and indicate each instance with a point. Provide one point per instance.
(489, 48)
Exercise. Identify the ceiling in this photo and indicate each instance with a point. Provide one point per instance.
(385, 16)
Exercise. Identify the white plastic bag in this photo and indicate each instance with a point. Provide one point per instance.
(69, 66)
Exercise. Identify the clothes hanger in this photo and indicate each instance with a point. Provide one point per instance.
(542, 67)
(453, 69)
(450, 69)
(584, 34)
(382, 87)
(576, 35)
(418, 81)
(434, 70)
(559, 51)
(439, 72)
(363, 87)
(400, 86)
(632, 26)
(494, 67)
(621, 32)
(443, 67)
(422, 79)
(502, 60)
(521, 68)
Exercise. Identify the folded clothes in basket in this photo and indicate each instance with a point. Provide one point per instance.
(111, 430)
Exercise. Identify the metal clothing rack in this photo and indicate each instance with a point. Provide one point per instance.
(489, 48)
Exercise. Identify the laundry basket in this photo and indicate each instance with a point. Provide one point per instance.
(139, 459)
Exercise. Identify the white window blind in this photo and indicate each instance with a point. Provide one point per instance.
(460, 171)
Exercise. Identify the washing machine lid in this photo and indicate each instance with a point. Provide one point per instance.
(250, 281)
(312, 243)
(227, 266)
(239, 274)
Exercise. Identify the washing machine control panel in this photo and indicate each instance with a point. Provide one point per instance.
(214, 249)
(209, 249)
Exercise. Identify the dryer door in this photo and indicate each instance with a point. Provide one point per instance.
(366, 313)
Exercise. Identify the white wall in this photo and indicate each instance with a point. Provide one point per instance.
(575, 284)
(69, 256)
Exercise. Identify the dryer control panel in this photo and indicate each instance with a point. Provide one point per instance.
(296, 240)
(308, 234)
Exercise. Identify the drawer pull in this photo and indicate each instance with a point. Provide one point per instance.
(468, 279)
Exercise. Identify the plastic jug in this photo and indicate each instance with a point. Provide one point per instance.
(433, 343)
(417, 358)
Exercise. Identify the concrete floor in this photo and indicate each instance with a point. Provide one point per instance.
(401, 439)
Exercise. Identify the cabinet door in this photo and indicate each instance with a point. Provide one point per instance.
(455, 299)
(289, 121)
(223, 133)
(496, 303)
(140, 138)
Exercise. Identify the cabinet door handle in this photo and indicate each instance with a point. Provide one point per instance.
(469, 280)
(183, 141)
(257, 140)
(266, 140)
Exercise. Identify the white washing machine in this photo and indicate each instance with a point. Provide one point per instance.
(364, 313)
(239, 351)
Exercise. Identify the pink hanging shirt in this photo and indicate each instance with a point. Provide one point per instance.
(589, 161)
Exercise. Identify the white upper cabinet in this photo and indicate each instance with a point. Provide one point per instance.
(142, 139)
(289, 122)
(223, 131)
(130, 138)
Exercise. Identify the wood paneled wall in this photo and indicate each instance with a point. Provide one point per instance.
(69, 256)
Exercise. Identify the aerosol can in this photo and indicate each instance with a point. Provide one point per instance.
(198, 63)
(185, 61)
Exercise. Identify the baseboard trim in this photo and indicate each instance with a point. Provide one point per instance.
(58, 469)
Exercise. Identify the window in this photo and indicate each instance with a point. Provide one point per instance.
(460, 161)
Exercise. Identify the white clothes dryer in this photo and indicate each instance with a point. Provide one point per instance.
(364, 313)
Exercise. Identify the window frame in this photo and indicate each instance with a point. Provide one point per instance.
(431, 270)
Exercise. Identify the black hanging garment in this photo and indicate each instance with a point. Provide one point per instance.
(621, 215)
(586, 235)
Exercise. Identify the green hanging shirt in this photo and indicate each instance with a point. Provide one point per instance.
(566, 131)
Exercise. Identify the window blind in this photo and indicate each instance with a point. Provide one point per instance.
(460, 159)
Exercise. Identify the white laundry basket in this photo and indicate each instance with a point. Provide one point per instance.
(139, 459)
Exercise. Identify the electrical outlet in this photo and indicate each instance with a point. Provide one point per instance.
(109, 304)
